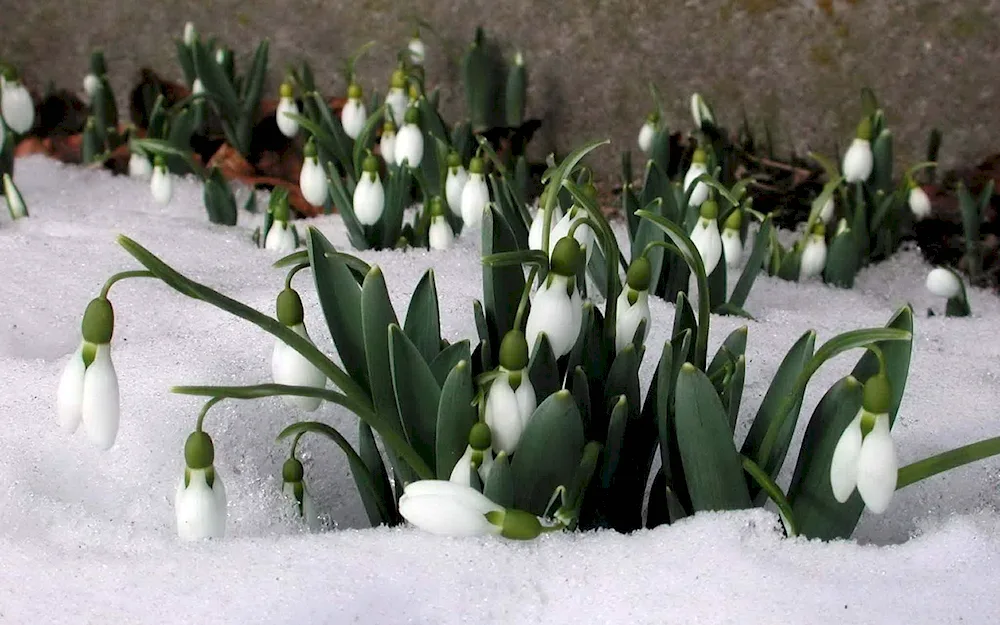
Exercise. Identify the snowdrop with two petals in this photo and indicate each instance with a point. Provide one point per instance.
(294, 487)
(859, 160)
(288, 366)
(475, 194)
(410, 140)
(813, 260)
(160, 182)
(557, 308)
(280, 237)
(732, 243)
(354, 114)
(312, 178)
(396, 100)
(633, 304)
(478, 456)
(387, 142)
(369, 195)
(454, 183)
(706, 237)
(287, 105)
(200, 497)
(510, 400)
(445, 508)
(440, 236)
(699, 166)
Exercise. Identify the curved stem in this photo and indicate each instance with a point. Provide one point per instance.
(522, 305)
(204, 411)
(875, 349)
(295, 443)
(774, 492)
(123, 275)
(292, 272)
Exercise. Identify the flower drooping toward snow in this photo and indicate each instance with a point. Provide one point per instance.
(536, 234)
(732, 243)
(475, 194)
(478, 456)
(139, 166)
(827, 212)
(510, 399)
(369, 195)
(943, 283)
(416, 49)
(454, 183)
(557, 308)
(200, 498)
(286, 104)
(294, 487)
(633, 304)
(706, 237)
(647, 132)
(699, 166)
(410, 140)
(16, 107)
(387, 142)
(280, 237)
(813, 259)
(160, 182)
(354, 114)
(288, 366)
(445, 508)
(583, 233)
(919, 202)
(312, 178)
(858, 160)
(88, 388)
(865, 456)
(396, 100)
(701, 112)
(440, 236)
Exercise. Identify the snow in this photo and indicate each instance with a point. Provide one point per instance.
(89, 536)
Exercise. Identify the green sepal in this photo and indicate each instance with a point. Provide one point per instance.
(292, 471)
(98, 322)
(199, 452)
(289, 308)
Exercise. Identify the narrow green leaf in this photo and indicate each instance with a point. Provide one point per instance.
(754, 263)
(734, 346)
(502, 286)
(842, 261)
(733, 394)
(500, 482)
(455, 417)
(417, 393)
(383, 508)
(946, 461)
(543, 370)
(447, 358)
(423, 322)
(615, 440)
(767, 485)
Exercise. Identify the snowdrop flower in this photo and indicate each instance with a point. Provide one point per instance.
(189, 34)
(445, 508)
(200, 498)
(369, 195)
(220, 57)
(858, 160)
(647, 131)
(91, 84)
(15, 202)
(557, 308)
(700, 111)
(312, 178)
(88, 388)
(454, 183)
(416, 49)
(944, 283)
(826, 213)
(280, 236)
(387, 143)
(510, 400)
(396, 100)
(477, 456)
(813, 259)
(536, 233)
(160, 183)
(732, 244)
(865, 456)
(475, 194)
(410, 140)
(698, 167)
(920, 204)
(198, 88)
(288, 366)
(139, 166)
(288, 126)
(706, 237)
(633, 304)
(294, 487)
(440, 236)
(16, 106)
(354, 114)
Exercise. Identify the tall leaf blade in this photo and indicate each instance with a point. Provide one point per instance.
(502, 286)
(417, 394)
(455, 417)
(423, 319)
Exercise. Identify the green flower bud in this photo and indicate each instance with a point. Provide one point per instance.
(278, 206)
(640, 274)
(158, 160)
(199, 452)
(412, 115)
(480, 437)
(289, 307)
(98, 322)
(292, 471)
(514, 351)
(388, 127)
(370, 164)
(734, 220)
(476, 165)
(653, 118)
(414, 93)
(567, 257)
(398, 80)
(454, 160)
(285, 90)
(864, 130)
(309, 151)
(354, 91)
(819, 229)
(699, 156)
(590, 190)
(437, 206)
(877, 394)
(709, 209)
(516, 524)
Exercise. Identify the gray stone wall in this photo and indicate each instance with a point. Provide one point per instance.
(796, 64)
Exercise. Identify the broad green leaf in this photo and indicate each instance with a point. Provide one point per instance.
(455, 417)
(254, 84)
(502, 286)
(417, 393)
(842, 261)
(447, 358)
(499, 486)
(543, 370)
(423, 322)
(734, 346)
(579, 387)
(733, 394)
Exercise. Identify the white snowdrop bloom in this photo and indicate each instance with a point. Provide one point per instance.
(462, 473)
(859, 160)
(440, 236)
(286, 104)
(557, 308)
(584, 234)
(536, 233)
(16, 107)
(220, 57)
(698, 167)
(475, 194)
(200, 498)
(700, 111)
(410, 140)
(288, 366)
(417, 50)
(445, 508)
(944, 283)
(369, 195)
(633, 304)
(396, 100)
(510, 400)
(294, 487)
(647, 131)
(920, 204)
(454, 183)
(160, 182)
(91, 84)
(354, 114)
(826, 213)
(865, 456)
(312, 178)
(813, 259)
(139, 166)
(706, 237)
(732, 244)
(387, 143)
(189, 34)
(280, 237)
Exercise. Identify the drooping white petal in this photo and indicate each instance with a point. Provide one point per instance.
(200, 510)
(280, 238)
(844, 464)
(369, 199)
(584, 234)
(878, 467)
(417, 50)
(387, 147)
(555, 313)
(444, 508)
(16, 107)
(943, 283)
(826, 213)
(100, 406)
(409, 145)
(475, 197)
(813, 258)
(646, 133)
(503, 415)
(69, 396)
(732, 247)
(629, 316)
(440, 235)
(858, 161)
(292, 369)
(353, 117)
(309, 513)
(139, 166)
(90, 85)
(288, 126)
(526, 400)
(462, 473)
(396, 100)
(161, 185)
(312, 181)
(708, 241)
(920, 204)
(453, 186)
(535, 234)
(700, 193)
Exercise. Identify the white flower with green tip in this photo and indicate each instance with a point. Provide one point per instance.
(387, 142)
(294, 487)
(478, 455)
(139, 166)
(475, 194)
(369, 195)
(312, 178)
(286, 105)
(288, 366)
(633, 304)
(918, 201)
(706, 237)
(647, 131)
(859, 160)
(557, 308)
(200, 498)
(454, 183)
(700, 111)
(16, 107)
(416, 49)
(354, 114)
(160, 182)
(510, 399)
(280, 237)
(189, 34)
(396, 100)
(813, 260)
(445, 508)
(440, 236)
(699, 166)
(410, 140)
(732, 244)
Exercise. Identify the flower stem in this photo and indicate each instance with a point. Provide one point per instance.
(122, 275)
(928, 467)
(291, 274)
(204, 411)
(522, 305)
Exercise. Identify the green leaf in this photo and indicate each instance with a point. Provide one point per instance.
(500, 482)
(615, 440)
(395, 203)
(219, 200)
(345, 206)
(946, 461)
(579, 387)
(842, 261)
(734, 346)
(455, 417)
(382, 509)
(543, 370)
(215, 81)
(549, 452)
(366, 139)
(774, 493)
(754, 264)
(417, 393)
(423, 323)
(712, 467)
(448, 357)
(502, 286)
(254, 84)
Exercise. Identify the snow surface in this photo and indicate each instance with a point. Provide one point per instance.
(89, 537)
